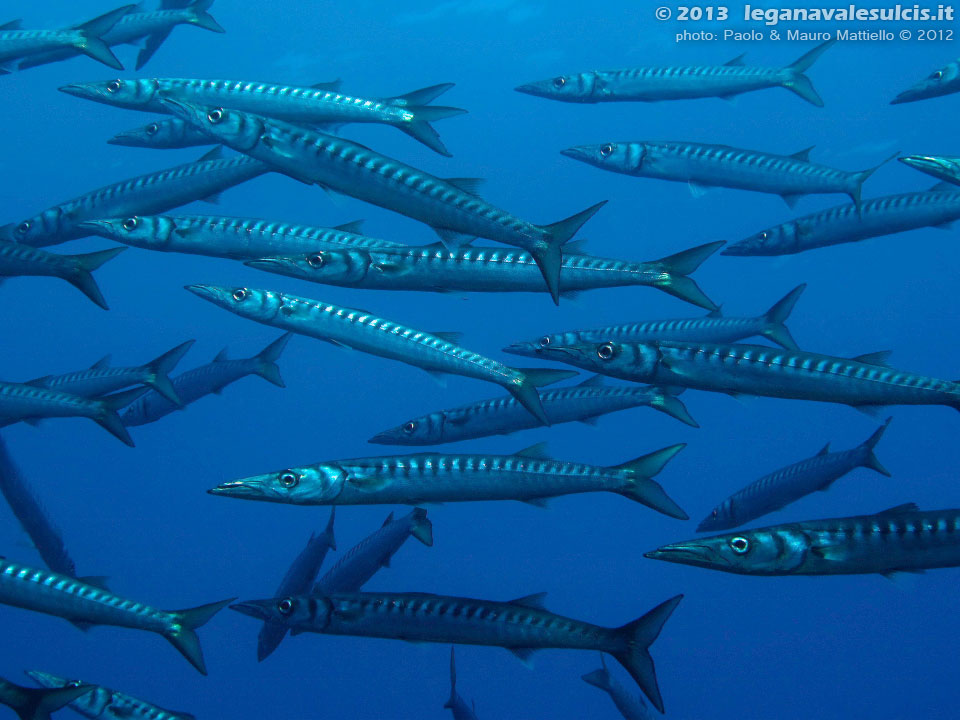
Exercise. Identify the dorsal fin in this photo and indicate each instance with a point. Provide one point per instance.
(594, 381)
(718, 313)
(12, 25)
(222, 356)
(331, 86)
(355, 227)
(878, 358)
(534, 601)
(449, 336)
(825, 450)
(101, 363)
(943, 186)
(388, 520)
(897, 509)
(534, 452)
(575, 247)
(214, 154)
(468, 185)
(737, 61)
(804, 154)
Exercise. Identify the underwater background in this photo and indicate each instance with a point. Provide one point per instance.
(737, 647)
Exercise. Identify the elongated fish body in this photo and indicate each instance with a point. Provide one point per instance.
(480, 269)
(504, 415)
(167, 134)
(102, 703)
(649, 84)
(886, 215)
(456, 704)
(943, 81)
(941, 167)
(142, 195)
(630, 705)
(74, 600)
(369, 333)
(703, 165)
(297, 581)
(865, 382)
(361, 562)
(521, 626)
(231, 237)
(902, 538)
(450, 207)
(37, 704)
(529, 476)
(712, 328)
(205, 380)
(780, 488)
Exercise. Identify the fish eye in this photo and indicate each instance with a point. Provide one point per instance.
(130, 223)
(24, 227)
(606, 150)
(73, 683)
(315, 260)
(285, 606)
(113, 86)
(240, 294)
(764, 235)
(937, 74)
(289, 479)
(409, 427)
(559, 82)
(605, 351)
(544, 341)
(152, 129)
(215, 115)
(714, 513)
(740, 545)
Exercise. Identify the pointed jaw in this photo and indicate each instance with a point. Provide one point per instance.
(127, 138)
(583, 153)
(272, 265)
(926, 163)
(193, 114)
(529, 89)
(87, 91)
(527, 349)
(249, 489)
(259, 609)
(104, 228)
(689, 553)
(212, 293)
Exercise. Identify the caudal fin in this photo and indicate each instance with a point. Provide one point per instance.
(599, 678)
(676, 267)
(453, 681)
(800, 83)
(423, 96)
(108, 418)
(160, 369)
(639, 636)
(859, 178)
(38, 703)
(775, 318)
(640, 487)
(526, 392)
(185, 639)
(202, 18)
(667, 402)
(550, 258)
(422, 528)
(420, 129)
(81, 278)
(871, 461)
(267, 367)
(90, 32)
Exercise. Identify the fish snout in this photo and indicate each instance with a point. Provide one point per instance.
(584, 153)
(260, 609)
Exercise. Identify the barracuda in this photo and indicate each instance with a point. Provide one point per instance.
(901, 539)
(142, 195)
(504, 415)
(937, 207)
(713, 328)
(450, 207)
(74, 600)
(195, 384)
(865, 382)
(167, 134)
(231, 237)
(521, 626)
(436, 269)
(704, 166)
(631, 706)
(18, 260)
(101, 703)
(648, 84)
(780, 488)
(940, 166)
(530, 476)
(361, 330)
(37, 704)
(456, 704)
(943, 81)
(320, 104)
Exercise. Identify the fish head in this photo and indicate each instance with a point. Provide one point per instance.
(290, 611)
(636, 361)
(334, 267)
(149, 231)
(117, 92)
(238, 130)
(945, 168)
(158, 134)
(259, 305)
(36, 231)
(310, 485)
(567, 88)
(720, 518)
(939, 82)
(609, 155)
(49, 680)
(771, 241)
(538, 348)
(767, 551)
(424, 430)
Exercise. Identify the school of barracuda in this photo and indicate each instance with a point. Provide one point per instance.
(290, 130)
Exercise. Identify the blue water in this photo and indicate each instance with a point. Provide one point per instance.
(737, 647)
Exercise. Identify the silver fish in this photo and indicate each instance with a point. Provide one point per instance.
(631, 706)
(167, 134)
(942, 81)
(37, 704)
(456, 705)
(940, 166)
(102, 703)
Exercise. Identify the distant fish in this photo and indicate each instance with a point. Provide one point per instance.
(168, 134)
(648, 84)
(436, 353)
(944, 81)
(102, 703)
(433, 268)
(147, 194)
(79, 602)
(297, 581)
(456, 705)
(522, 626)
(631, 706)
(529, 476)
(504, 415)
(940, 166)
(206, 379)
(712, 328)
(37, 704)
(451, 207)
(230, 237)
(17, 260)
(320, 104)
(703, 166)
(779, 489)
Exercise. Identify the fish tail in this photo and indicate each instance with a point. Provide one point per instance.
(183, 637)
(202, 18)
(526, 392)
(90, 32)
(161, 368)
(677, 267)
(800, 83)
(641, 487)
(549, 259)
(422, 528)
(267, 367)
(453, 681)
(859, 178)
(599, 678)
(666, 401)
(638, 636)
(39, 703)
(775, 319)
(871, 461)
(110, 421)
(85, 264)
(420, 129)
(328, 530)
(423, 96)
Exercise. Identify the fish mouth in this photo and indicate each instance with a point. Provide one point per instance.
(527, 89)
(385, 438)
(907, 96)
(211, 293)
(80, 90)
(97, 226)
(186, 111)
(924, 163)
(584, 153)
(687, 553)
(250, 489)
(127, 139)
(527, 349)
(269, 264)
(260, 609)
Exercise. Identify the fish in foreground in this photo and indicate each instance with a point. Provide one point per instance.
(102, 703)
(456, 704)
(231, 237)
(167, 134)
(206, 379)
(451, 207)
(780, 488)
(82, 603)
(937, 207)
(649, 84)
(433, 268)
(16, 43)
(38, 703)
(522, 626)
(943, 81)
(703, 166)
(154, 192)
(530, 476)
(18, 260)
(941, 167)
(712, 328)
(865, 382)
(360, 330)
(320, 104)
(101, 379)
(901, 539)
(297, 581)
(504, 415)
(631, 706)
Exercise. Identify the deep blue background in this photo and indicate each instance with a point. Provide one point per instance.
(737, 647)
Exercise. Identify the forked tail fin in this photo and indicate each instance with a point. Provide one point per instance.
(775, 318)
(422, 528)
(90, 32)
(871, 461)
(638, 636)
(526, 391)
(38, 703)
(550, 258)
(83, 265)
(640, 486)
(267, 367)
(676, 268)
(420, 129)
(184, 639)
(800, 83)
(202, 18)
(160, 369)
